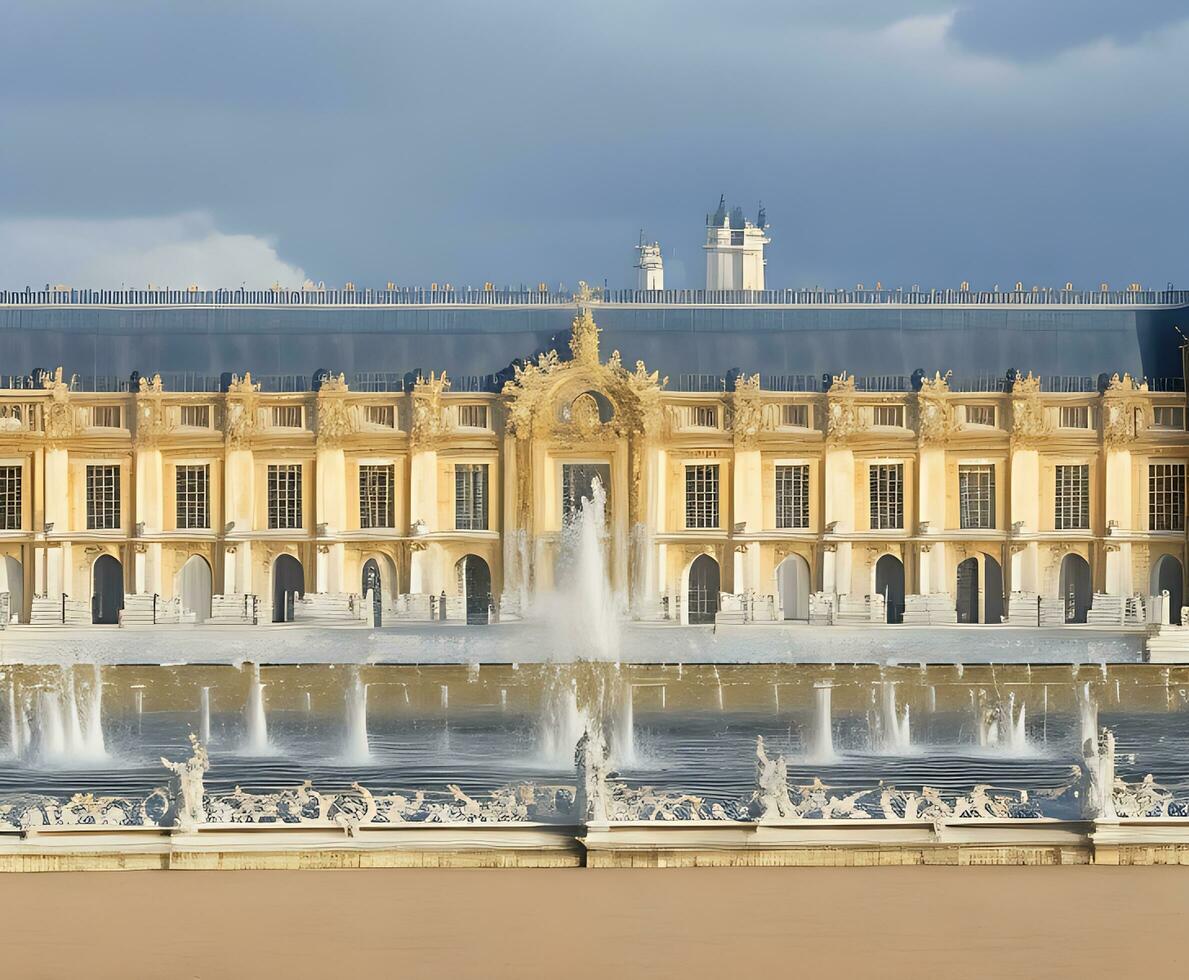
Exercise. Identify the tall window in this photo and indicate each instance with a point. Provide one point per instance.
(1166, 497)
(792, 496)
(470, 496)
(1072, 505)
(375, 497)
(103, 498)
(10, 498)
(284, 495)
(976, 496)
(577, 482)
(705, 416)
(193, 496)
(887, 496)
(701, 496)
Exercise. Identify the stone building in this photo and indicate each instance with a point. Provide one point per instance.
(854, 456)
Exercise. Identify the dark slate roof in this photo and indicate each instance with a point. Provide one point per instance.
(972, 341)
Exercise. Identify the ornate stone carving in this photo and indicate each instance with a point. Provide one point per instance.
(1029, 423)
(557, 400)
(189, 775)
(336, 420)
(243, 397)
(60, 420)
(842, 414)
(152, 422)
(1123, 415)
(772, 785)
(747, 411)
(936, 419)
(430, 422)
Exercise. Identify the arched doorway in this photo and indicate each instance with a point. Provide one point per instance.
(792, 579)
(107, 590)
(993, 606)
(889, 583)
(474, 582)
(702, 597)
(1075, 587)
(1168, 576)
(194, 586)
(12, 581)
(288, 582)
(373, 582)
(967, 592)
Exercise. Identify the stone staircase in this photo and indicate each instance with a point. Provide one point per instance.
(233, 610)
(1167, 645)
(54, 611)
(416, 607)
(328, 607)
(856, 611)
(150, 610)
(1106, 610)
(821, 608)
(933, 609)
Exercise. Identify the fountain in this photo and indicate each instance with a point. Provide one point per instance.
(893, 725)
(355, 743)
(623, 734)
(256, 728)
(67, 733)
(16, 742)
(1088, 716)
(821, 748)
(204, 716)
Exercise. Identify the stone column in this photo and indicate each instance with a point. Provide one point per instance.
(1119, 511)
(838, 482)
(330, 510)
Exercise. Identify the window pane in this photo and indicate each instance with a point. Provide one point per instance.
(701, 496)
(10, 498)
(375, 497)
(103, 498)
(792, 496)
(1166, 497)
(1072, 506)
(284, 496)
(976, 496)
(193, 497)
(470, 496)
(887, 496)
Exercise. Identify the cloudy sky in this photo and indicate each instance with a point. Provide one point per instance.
(230, 141)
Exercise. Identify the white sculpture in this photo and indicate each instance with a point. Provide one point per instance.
(772, 786)
(190, 774)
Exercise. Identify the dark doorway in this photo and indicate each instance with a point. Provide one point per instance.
(372, 582)
(288, 582)
(576, 480)
(107, 590)
(889, 583)
(1169, 578)
(703, 590)
(475, 579)
(993, 605)
(968, 591)
(1075, 588)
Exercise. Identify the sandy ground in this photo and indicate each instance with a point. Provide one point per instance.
(883, 922)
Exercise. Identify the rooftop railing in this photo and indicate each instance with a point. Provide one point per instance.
(467, 296)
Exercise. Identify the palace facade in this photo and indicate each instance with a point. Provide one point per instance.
(965, 457)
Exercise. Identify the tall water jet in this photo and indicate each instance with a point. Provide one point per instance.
(204, 716)
(586, 608)
(894, 726)
(1013, 724)
(51, 731)
(562, 722)
(623, 730)
(355, 744)
(1088, 717)
(16, 742)
(91, 748)
(821, 748)
(256, 727)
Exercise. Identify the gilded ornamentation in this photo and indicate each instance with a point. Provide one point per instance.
(747, 411)
(243, 396)
(842, 414)
(1122, 416)
(429, 418)
(60, 420)
(152, 422)
(1029, 424)
(936, 419)
(559, 400)
(336, 420)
